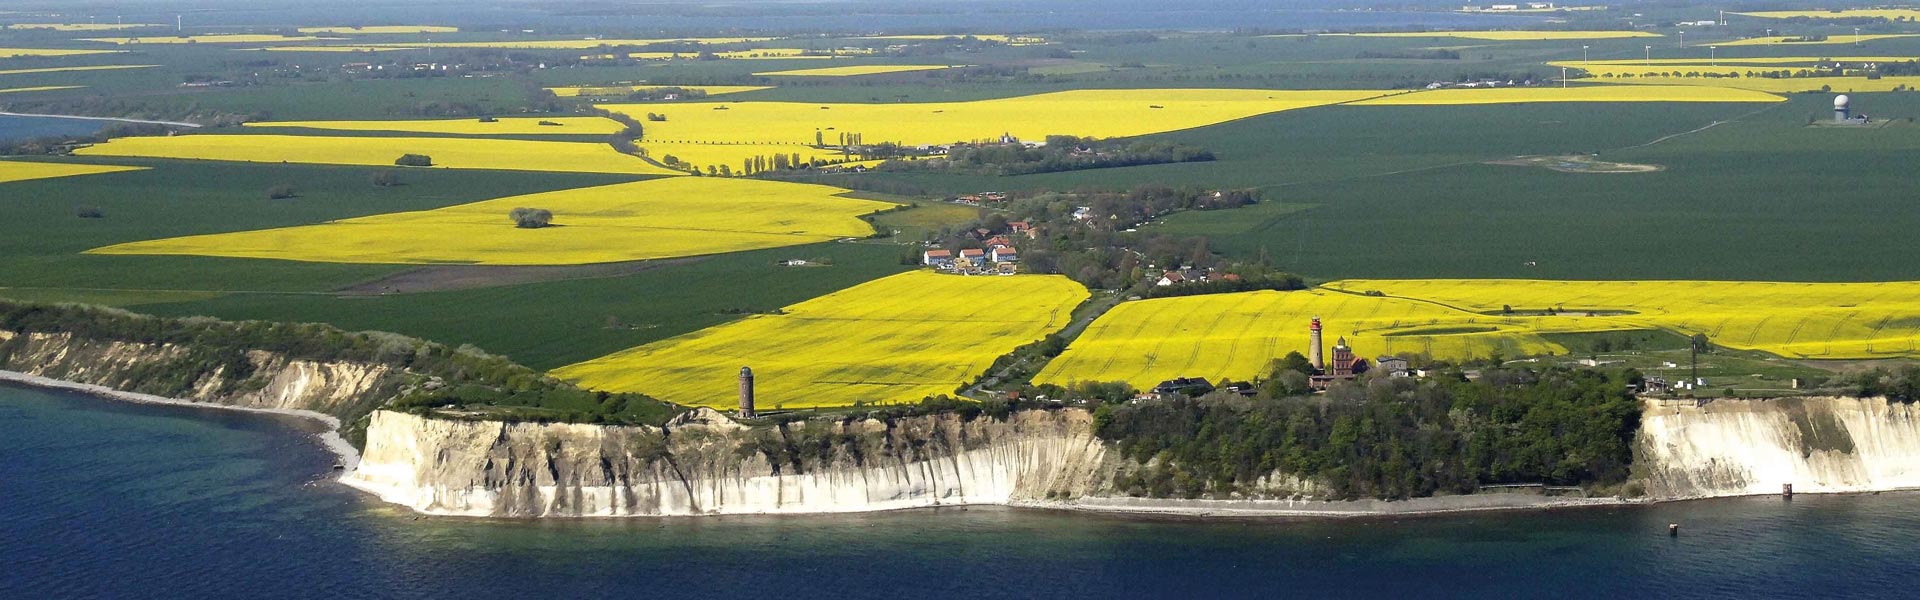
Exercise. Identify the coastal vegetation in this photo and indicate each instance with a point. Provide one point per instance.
(1385, 438)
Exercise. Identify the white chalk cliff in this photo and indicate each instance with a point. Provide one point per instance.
(1744, 447)
(704, 464)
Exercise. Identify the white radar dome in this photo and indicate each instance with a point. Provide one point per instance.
(1840, 102)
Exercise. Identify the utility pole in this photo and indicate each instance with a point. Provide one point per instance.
(1583, 55)
(1714, 53)
(1649, 55)
(1563, 78)
(179, 24)
(1683, 39)
(1856, 36)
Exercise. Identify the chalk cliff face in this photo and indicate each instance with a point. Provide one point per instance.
(341, 389)
(1744, 447)
(704, 464)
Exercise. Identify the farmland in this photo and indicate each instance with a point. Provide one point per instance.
(851, 71)
(635, 221)
(1799, 320)
(11, 171)
(622, 90)
(1235, 335)
(495, 126)
(1364, 172)
(1794, 41)
(1660, 93)
(73, 69)
(43, 88)
(380, 29)
(893, 340)
(1099, 113)
(1850, 13)
(579, 44)
(1517, 36)
(49, 52)
(236, 38)
(518, 155)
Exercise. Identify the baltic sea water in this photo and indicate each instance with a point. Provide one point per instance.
(107, 499)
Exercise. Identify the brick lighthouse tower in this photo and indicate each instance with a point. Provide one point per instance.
(746, 393)
(1314, 345)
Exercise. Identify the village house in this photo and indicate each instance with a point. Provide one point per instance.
(1392, 365)
(939, 259)
(1022, 228)
(971, 258)
(1182, 386)
(1005, 254)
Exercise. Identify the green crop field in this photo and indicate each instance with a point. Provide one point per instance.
(1743, 191)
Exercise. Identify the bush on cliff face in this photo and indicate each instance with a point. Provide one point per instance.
(1386, 438)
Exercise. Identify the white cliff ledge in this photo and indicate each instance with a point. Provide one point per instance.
(1751, 447)
(714, 467)
(707, 465)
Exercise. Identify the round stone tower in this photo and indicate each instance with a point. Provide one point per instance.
(746, 393)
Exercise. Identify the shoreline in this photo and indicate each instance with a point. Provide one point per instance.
(1173, 508)
(113, 119)
(329, 437)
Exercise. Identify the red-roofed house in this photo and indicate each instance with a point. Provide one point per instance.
(938, 258)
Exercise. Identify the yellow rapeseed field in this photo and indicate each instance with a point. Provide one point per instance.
(233, 38)
(1591, 93)
(1780, 86)
(1099, 113)
(893, 340)
(453, 153)
(499, 126)
(850, 71)
(41, 52)
(1838, 38)
(1801, 320)
(1517, 36)
(80, 26)
(1743, 73)
(1853, 13)
(43, 88)
(1236, 335)
(11, 171)
(582, 44)
(661, 218)
(380, 29)
(622, 90)
(66, 69)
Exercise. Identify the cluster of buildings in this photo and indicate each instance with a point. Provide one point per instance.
(1173, 277)
(982, 198)
(997, 259)
(1341, 365)
(1479, 83)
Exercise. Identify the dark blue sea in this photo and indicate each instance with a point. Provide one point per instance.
(113, 500)
(25, 128)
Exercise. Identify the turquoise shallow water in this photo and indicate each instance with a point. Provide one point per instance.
(108, 499)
